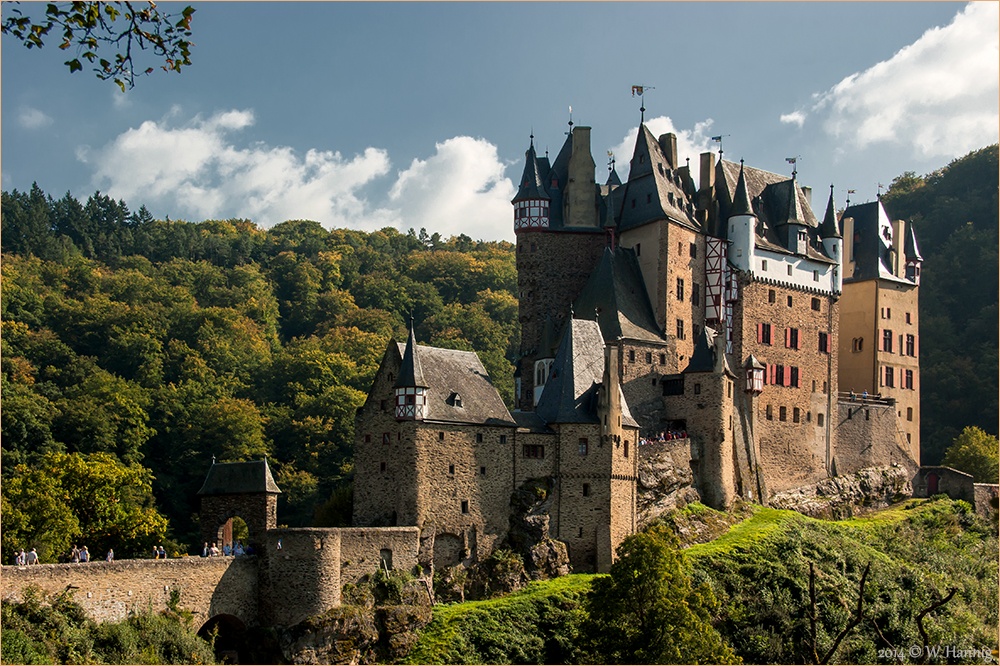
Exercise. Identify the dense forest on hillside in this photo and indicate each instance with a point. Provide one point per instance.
(134, 349)
(954, 212)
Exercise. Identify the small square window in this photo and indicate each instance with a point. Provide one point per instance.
(789, 301)
(697, 389)
(815, 304)
(583, 446)
(465, 506)
(381, 467)
(693, 250)
(482, 471)
(815, 276)
(385, 438)
(586, 490)
(479, 438)
(771, 296)
(382, 405)
(503, 439)
(663, 359)
(795, 415)
(440, 436)
(631, 356)
(763, 265)
(626, 448)
(819, 420)
(649, 357)
(451, 469)
(789, 267)
(368, 438)
(782, 413)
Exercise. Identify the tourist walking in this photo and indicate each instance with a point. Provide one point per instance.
(31, 557)
(84, 554)
(111, 555)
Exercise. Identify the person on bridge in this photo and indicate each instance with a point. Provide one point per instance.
(74, 555)
(31, 557)
(19, 559)
(111, 555)
(84, 554)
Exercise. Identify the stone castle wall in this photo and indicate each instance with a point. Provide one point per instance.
(792, 424)
(109, 591)
(875, 424)
(552, 268)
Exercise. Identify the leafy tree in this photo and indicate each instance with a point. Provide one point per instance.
(94, 28)
(91, 500)
(647, 611)
(975, 452)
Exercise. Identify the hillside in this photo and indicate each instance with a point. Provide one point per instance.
(759, 573)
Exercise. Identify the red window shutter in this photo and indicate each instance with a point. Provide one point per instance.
(760, 332)
(788, 337)
(788, 375)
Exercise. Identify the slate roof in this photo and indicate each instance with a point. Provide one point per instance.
(616, 290)
(411, 371)
(531, 186)
(570, 393)
(872, 243)
(776, 201)
(829, 228)
(239, 478)
(910, 250)
(704, 356)
(447, 372)
(657, 191)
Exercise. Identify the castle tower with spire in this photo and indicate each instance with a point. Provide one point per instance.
(557, 222)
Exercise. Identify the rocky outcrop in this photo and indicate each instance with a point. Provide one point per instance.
(846, 496)
(529, 537)
(354, 635)
(666, 481)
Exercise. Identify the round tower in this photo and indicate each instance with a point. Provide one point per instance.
(742, 223)
(833, 242)
(410, 388)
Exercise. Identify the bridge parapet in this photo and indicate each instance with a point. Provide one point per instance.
(109, 591)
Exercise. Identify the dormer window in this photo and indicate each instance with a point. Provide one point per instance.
(455, 400)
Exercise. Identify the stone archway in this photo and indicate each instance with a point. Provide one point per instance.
(228, 634)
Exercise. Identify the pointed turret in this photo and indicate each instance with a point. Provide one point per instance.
(911, 254)
(742, 225)
(576, 373)
(833, 242)
(795, 236)
(531, 203)
(829, 227)
(741, 200)
(411, 388)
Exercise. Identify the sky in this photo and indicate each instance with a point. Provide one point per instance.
(417, 115)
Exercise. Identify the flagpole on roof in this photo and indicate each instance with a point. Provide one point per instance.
(641, 92)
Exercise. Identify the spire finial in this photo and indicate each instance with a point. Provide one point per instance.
(794, 162)
(213, 460)
(718, 139)
(570, 121)
(641, 92)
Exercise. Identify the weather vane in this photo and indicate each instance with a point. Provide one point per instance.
(611, 161)
(570, 121)
(794, 161)
(719, 140)
(849, 193)
(641, 92)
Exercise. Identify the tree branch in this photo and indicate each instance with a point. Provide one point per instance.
(855, 620)
(930, 609)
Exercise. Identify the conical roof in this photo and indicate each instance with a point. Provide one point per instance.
(410, 372)
(741, 200)
(531, 185)
(910, 250)
(829, 228)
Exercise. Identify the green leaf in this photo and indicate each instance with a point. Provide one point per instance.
(74, 65)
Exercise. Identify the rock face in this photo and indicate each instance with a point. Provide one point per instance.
(354, 635)
(544, 557)
(846, 496)
(665, 478)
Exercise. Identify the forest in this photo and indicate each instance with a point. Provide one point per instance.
(134, 350)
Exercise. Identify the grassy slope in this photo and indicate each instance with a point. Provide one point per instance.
(758, 570)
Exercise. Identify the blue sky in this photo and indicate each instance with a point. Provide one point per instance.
(417, 115)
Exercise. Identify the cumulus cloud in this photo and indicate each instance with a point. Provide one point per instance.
(30, 118)
(460, 189)
(938, 96)
(197, 169)
(690, 142)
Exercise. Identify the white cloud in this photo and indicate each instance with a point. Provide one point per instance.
(30, 118)
(196, 170)
(691, 143)
(794, 118)
(460, 189)
(937, 96)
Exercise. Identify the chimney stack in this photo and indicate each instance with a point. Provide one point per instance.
(668, 144)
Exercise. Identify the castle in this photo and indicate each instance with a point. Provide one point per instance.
(724, 314)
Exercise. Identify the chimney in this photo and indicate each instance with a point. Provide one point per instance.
(707, 181)
(899, 247)
(581, 210)
(668, 144)
(808, 192)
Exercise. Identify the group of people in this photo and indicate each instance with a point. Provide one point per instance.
(663, 436)
(159, 552)
(227, 550)
(74, 555)
(23, 558)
